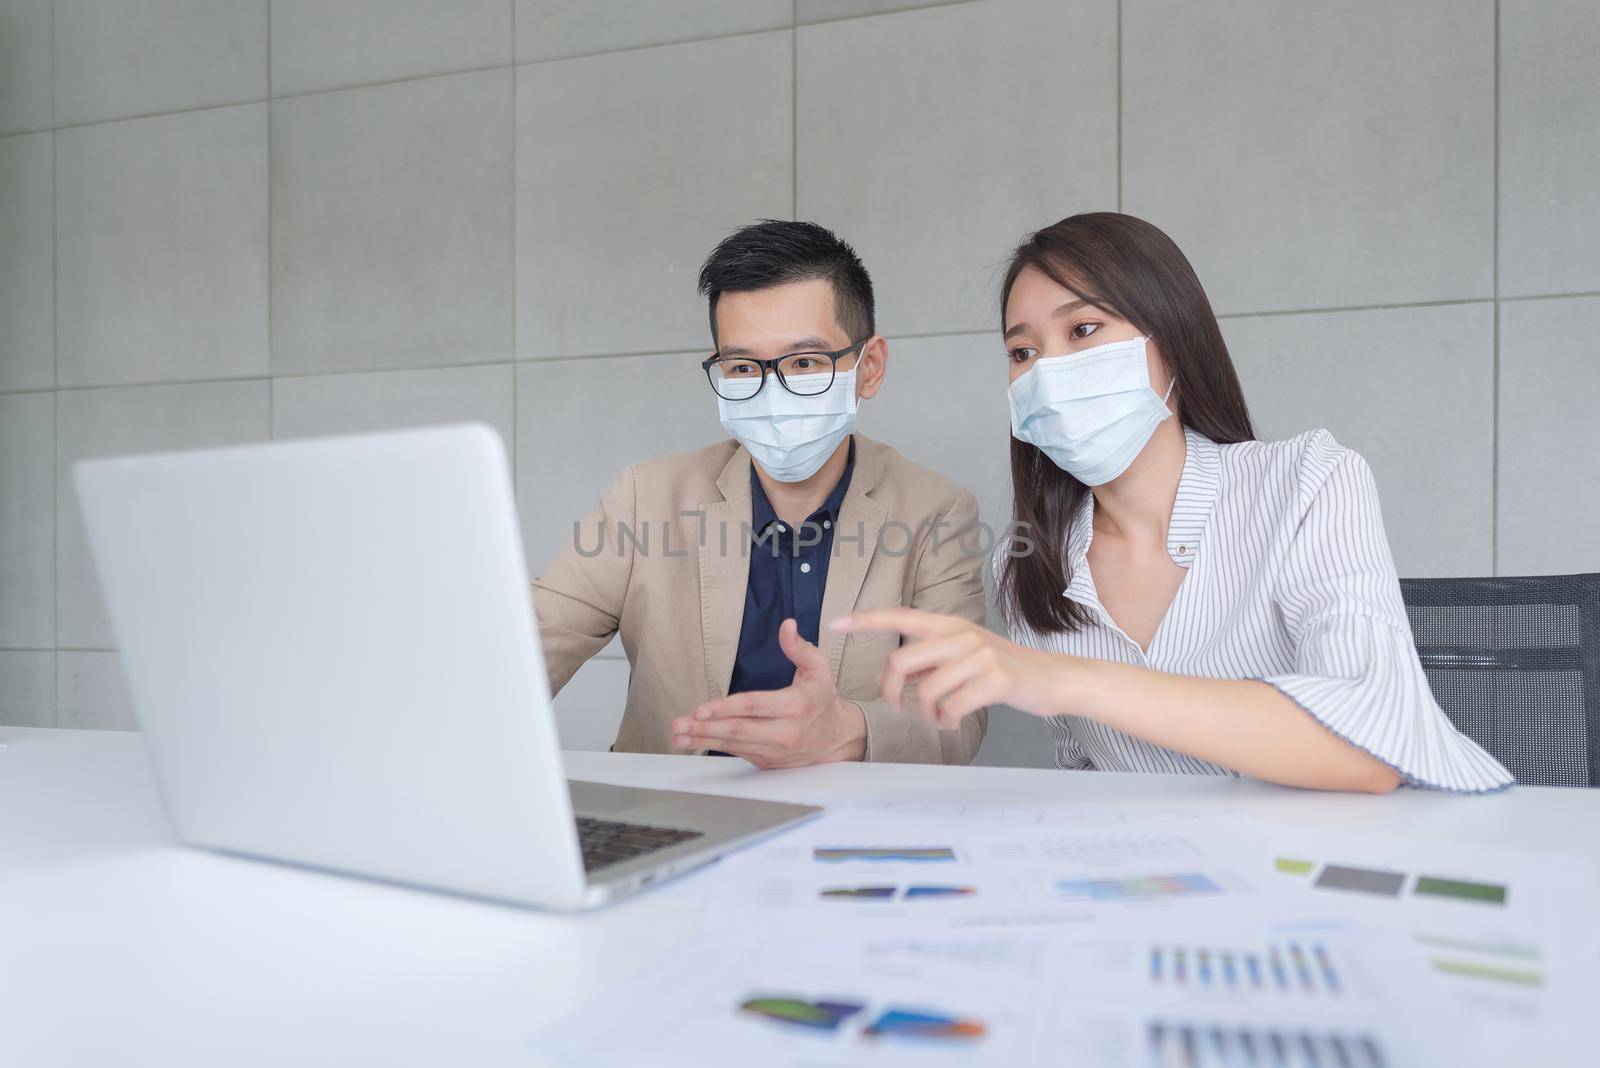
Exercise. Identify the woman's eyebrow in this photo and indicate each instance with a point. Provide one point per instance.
(1066, 309)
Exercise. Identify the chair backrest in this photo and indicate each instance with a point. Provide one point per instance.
(1515, 664)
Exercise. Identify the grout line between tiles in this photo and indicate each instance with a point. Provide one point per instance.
(794, 109)
(160, 114)
(484, 69)
(1119, 105)
(794, 25)
(52, 684)
(55, 550)
(885, 14)
(55, 649)
(892, 335)
(1278, 313)
(219, 380)
(52, 64)
(1494, 370)
(515, 298)
(1586, 295)
(657, 44)
(55, 219)
(272, 385)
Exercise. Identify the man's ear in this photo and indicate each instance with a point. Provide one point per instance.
(871, 367)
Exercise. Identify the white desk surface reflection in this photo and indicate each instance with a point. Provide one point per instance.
(121, 947)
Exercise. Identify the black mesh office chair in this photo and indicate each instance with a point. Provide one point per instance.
(1515, 664)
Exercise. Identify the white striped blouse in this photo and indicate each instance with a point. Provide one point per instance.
(1291, 582)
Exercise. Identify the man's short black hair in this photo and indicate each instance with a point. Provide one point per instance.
(773, 252)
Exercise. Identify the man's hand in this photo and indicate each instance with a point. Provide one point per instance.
(807, 722)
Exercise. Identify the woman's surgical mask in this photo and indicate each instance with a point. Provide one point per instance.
(792, 437)
(1091, 412)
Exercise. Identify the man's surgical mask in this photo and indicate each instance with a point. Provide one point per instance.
(791, 437)
(1091, 412)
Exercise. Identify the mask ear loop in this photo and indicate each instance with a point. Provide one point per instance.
(1172, 378)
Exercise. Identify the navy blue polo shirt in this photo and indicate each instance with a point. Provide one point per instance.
(788, 574)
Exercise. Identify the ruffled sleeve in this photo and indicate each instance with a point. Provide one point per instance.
(1356, 666)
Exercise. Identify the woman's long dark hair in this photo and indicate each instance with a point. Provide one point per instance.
(1134, 271)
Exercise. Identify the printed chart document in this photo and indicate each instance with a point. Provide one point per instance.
(950, 934)
(852, 871)
(802, 1002)
(1241, 995)
(1508, 934)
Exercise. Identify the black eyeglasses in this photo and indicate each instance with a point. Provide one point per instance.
(805, 374)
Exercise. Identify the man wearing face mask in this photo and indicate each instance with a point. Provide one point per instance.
(717, 566)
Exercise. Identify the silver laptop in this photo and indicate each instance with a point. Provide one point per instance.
(332, 654)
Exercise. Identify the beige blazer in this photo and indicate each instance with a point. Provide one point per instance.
(664, 558)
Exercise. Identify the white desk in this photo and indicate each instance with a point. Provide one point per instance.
(119, 947)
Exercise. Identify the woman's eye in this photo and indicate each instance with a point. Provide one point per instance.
(1022, 355)
(1083, 330)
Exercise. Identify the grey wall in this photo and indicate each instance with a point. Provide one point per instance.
(231, 220)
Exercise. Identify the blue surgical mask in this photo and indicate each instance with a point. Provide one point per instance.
(792, 437)
(1091, 412)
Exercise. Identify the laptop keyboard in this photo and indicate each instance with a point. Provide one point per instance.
(607, 842)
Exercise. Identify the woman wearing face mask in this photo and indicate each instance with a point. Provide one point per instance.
(1180, 596)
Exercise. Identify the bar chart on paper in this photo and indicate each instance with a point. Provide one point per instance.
(1214, 1044)
(1291, 968)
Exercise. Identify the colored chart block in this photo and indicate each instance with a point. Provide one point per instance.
(857, 893)
(901, 1023)
(886, 893)
(797, 1012)
(1508, 950)
(838, 854)
(1291, 866)
(1361, 880)
(1461, 890)
(1496, 973)
(1140, 888)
